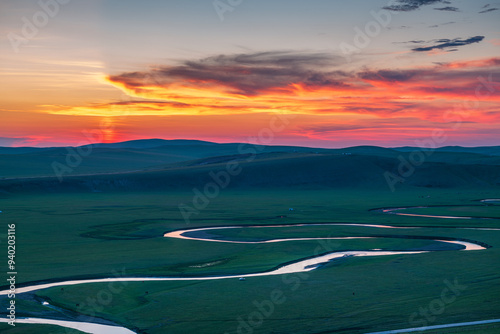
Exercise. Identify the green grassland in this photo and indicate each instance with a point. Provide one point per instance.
(126, 229)
(354, 296)
(257, 172)
(38, 329)
(479, 210)
(62, 236)
(113, 158)
(477, 329)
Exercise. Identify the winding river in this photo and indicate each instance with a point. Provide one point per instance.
(396, 211)
(299, 266)
(86, 327)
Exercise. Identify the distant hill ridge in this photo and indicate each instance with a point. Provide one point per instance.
(152, 143)
(158, 163)
(155, 142)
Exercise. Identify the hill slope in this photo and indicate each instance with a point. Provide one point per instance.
(271, 170)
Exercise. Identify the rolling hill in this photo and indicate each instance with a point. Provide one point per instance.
(271, 170)
(157, 164)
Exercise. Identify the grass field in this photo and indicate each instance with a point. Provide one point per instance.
(39, 329)
(478, 329)
(66, 236)
(479, 210)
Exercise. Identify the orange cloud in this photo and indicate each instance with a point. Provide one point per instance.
(410, 101)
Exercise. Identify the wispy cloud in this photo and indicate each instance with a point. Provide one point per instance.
(488, 10)
(442, 24)
(446, 44)
(397, 123)
(18, 141)
(448, 9)
(410, 5)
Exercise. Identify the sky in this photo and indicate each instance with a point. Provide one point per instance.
(321, 73)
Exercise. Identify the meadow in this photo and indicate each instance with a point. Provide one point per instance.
(64, 236)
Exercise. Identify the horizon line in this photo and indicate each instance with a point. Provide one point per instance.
(248, 143)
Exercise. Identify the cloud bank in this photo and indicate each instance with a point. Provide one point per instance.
(299, 83)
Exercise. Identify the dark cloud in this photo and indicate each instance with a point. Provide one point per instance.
(416, 41)
(448, 8)
(264, 72)
(409, 5)
(244, 74)
(388, 75)
(300, 82)
(155, 105)
(392, 123)
(487, 10)
(446, 44)
(155, 102)
(443, 24)
(395, 107)
(439, 79)
(400, 27)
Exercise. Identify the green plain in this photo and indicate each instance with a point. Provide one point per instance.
(78, 235)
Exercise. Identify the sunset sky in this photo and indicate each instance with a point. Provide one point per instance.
(324, 73)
